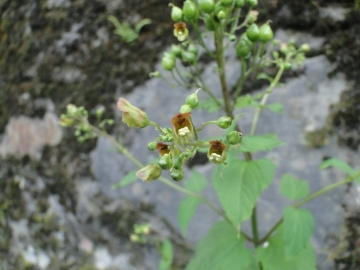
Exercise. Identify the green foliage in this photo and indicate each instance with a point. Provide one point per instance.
(258, 143)
(124, 29)
(272, 255)
(209, 105)
(222, 248)
(275, 107)
(342, 165)
(129, 178)
(167, 255)
(239, 184)
(293, 188)
(188, 205)
(298, 228)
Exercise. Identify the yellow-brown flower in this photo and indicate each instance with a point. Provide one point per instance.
(217, 153)
(180, 31)
(182, 126)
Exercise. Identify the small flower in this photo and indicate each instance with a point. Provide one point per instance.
(182, 126)
(132, 116)
(217, 153)
(180, 31)
(149, 172)
(163, 148)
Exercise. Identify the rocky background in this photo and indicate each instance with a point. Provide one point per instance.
(57, 208)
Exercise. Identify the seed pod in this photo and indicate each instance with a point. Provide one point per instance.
(177, 162)
(176, 14)
(165, 162)
(185, 108)
(242, 48)
(188, 58)
(210, 24)
(253, 32)
(177, 174)
(192, 100)
(226, 2)
(176, 50)
(266, 34)
(192, 48)
(168, 63)
(189, 10)
(239, 3)
(234, 137)
(207, 6)
(252, 3)
(151, 146)
(224, 122)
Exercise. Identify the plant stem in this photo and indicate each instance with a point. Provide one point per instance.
(316, 194)
(254, 227)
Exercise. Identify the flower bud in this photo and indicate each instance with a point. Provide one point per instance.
(252, 16)
(165, 162)
(253, 32)
(65, 121)
(224, 122)
(234, 137)
(177, 162)
(226, 2)
(155, 74)
(287, 66)
(132, 116)
(168, 63)
(176, 13)
(185, 108)
(193, 49)
(210, 24)
(305, 47)
(177, 174)
(252, 3)
(149, 172)
(232, 38)
(216, 152)
(188, 58)
(176, 50)
(266, 34)
(193, 100)
(207, 6)
(239, 3)
(151, 146)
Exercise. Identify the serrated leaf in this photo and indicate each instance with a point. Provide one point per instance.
(239, 184)
(342, 165)
(259, 143)
(129, 178)
(272, 256)
(209, 105)
(196, 182)
(293, 188)
(275, 107)
(221, 249)
(167, 255)
(264, 76)
(298, 229)
(243, 101)
(186, 211)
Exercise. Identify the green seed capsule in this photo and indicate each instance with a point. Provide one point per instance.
(185, 108)
(226, 2)
(189, 10)
(168, 63)
(192, 48)
(177, 174)
(207, 6)
(177, 162)
(252, 3)
(176, 14)
(192, 100)
(242, 48)
(253, 32)
(234, 137)
(287, 66)
(266, 34)
(188, 58)
(165, 162)
(224, 122)
(239, 3)
(151, 146)
(176, 50)
(210, 24)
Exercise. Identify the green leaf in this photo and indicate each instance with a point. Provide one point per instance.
(167, 255)
(209, 105)
(298, 228)
(126, 180)
(293, 188)
(186, 211)
(243, 101)
(342, 165)
(141, 24)
(221, 249)
(272, 255)
(259, 143)
(263, 76)
(275, 107)
(196, 182)
(239, 184)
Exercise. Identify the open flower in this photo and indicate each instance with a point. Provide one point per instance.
(182, 126)
(149, 172)
(217, 153)
(180, 31)
(132, 116)
(163, 148)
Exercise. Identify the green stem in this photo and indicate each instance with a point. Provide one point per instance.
(157, 127)
(254, 227)
(200, 39)
(316, 194)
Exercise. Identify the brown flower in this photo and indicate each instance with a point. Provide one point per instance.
(180, 31)
(182, 126)
(217, 153)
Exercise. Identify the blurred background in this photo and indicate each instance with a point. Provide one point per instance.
(57, 207)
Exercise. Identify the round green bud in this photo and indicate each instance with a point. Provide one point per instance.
(252, 3)
(185, 108)
(168, 63)
(177, 174)
(193, 48)
(165, 162)
(234, 137)
(177, 162)
(221, 15)
(207, 6)
(192, 100)
(188, 58)
(226, 2)
(305, 47)
(176, 14)
(239, 3)
(253, 32)
(151, 146)
(176, 50)
(189, 10)
(220, 11)
(232, 38)
(185, 155)
(266, 34)
(224, 122)
(242, 48)
(287, 66)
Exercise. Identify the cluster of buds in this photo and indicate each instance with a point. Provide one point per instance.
(180, 143)
(141, 231)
